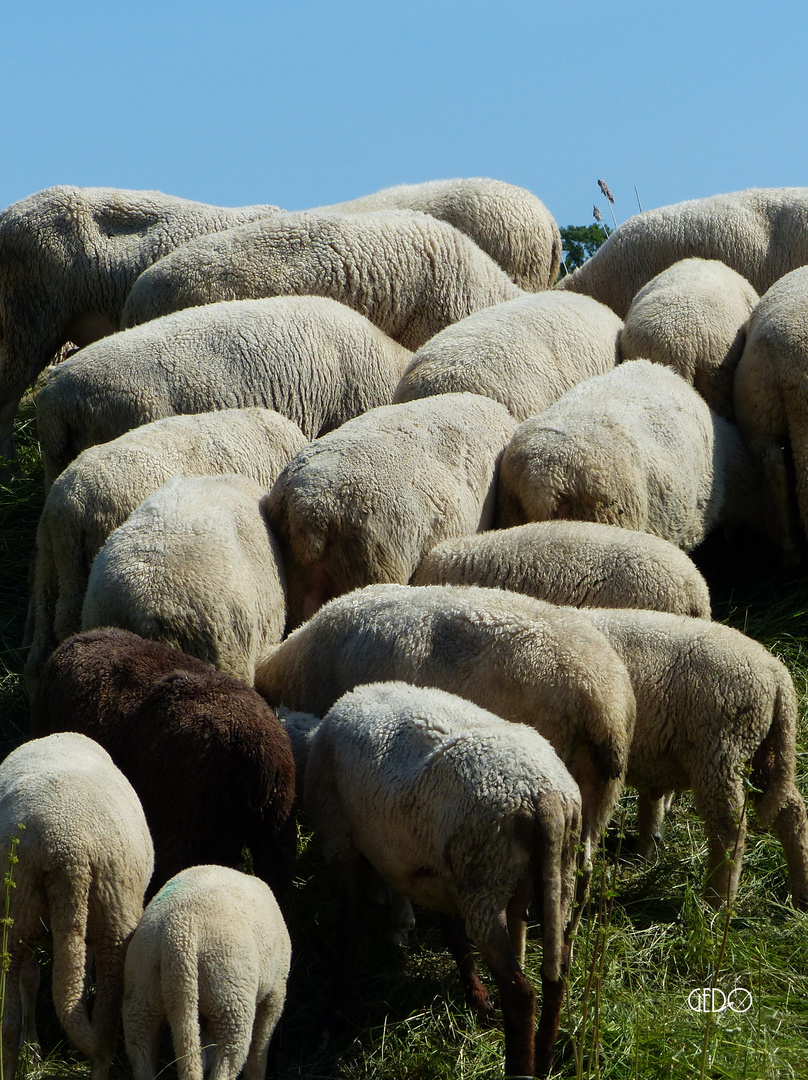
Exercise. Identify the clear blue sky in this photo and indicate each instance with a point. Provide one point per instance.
(313, 102)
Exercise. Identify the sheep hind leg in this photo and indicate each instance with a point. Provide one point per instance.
(351, 871)
(232, 1033)
(461, 951)
(551, 885)
(141, 1044)
(721, 807)
(651, 822)
(267, 1015)
(517, 996)
(791, 828)
(29, 987)
(516, 915)
(12, 1013)
(109, 964)
(779, 511)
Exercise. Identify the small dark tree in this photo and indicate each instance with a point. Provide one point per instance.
(581, 241)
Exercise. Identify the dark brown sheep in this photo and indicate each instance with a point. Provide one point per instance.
(208, 757)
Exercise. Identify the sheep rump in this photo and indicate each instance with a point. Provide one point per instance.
(771, 405)
(693, 318)
(211, 944)
(208, 758)
(724, 702)
(314, 360)
(365, 503)
(491, 646)
(408, 273)
(638, 448)
(85, 859)
(509, 223)
(194, 566)
(580, 563)
(105, 484)
(761, 233)
(464, 812)
(524, 353)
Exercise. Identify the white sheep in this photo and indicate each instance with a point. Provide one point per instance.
(710, 702)
(510, 223)
(408, 273)
(524, 353)
(771, 404)
(85, 859)
(312, 359)
(524, 660)
(693, 318)
(105, 484)
(211, 955)
(762, 233)
(196, 567)
(365, 503)
(466, 813)
(637, 447)
(68, 258)
(580, 563)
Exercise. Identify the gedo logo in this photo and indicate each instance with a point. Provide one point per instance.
(713, 1000)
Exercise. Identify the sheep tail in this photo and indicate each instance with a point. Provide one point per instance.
(774, 761)
(555, 864)
(558, 830)
(609, 728)
(179, 980)
(68, 902)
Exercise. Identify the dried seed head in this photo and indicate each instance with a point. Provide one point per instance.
(596, 214)
(604, 187)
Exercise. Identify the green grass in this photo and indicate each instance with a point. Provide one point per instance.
(626, 1014)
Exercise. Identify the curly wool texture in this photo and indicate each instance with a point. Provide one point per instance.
(208, 758)
(693, 318)
(105, 484)
(315, 361)
(409, 273)
(212, 943)
(762, 233)
(365, 503)
(429, 787)
(194, 566)
(459, 809)
(68, 258)
(85, 859)
(495, 648)
(524, 353)
(509, 223)
(710, 701)
(580, 563)
(771, 404)
(638, 448)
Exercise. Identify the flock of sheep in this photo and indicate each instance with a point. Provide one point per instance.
(364, 468)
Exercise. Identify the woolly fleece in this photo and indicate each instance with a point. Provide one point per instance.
(524, 353)
(409, 273)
